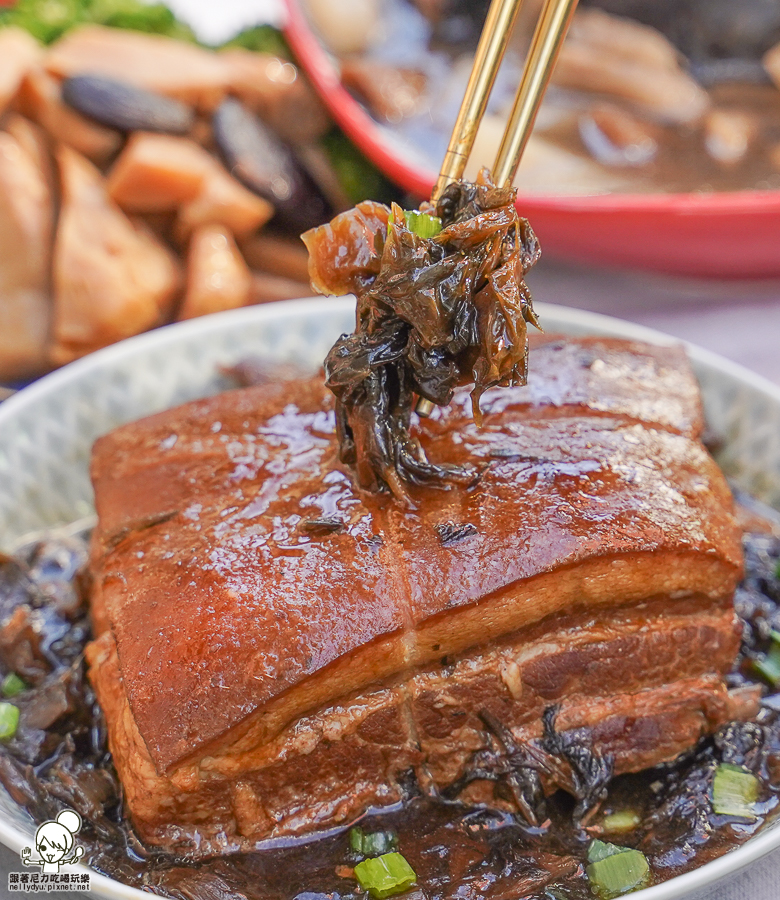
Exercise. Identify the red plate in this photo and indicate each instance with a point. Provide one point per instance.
(734, 234)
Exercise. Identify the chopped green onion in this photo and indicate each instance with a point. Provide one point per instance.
(619, 822)
(422, 224)
(768, 666)
(614, 871)
(777, 569)
(379, 842)
(356, 839)
(734, 792)
(9, 720)
(598, 850)
(385, 876)
(374, 844)
(12, 685)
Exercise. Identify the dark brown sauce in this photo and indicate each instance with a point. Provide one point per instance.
(682, 164)
(59, 758)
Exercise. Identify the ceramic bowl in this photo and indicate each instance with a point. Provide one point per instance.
(47, 430)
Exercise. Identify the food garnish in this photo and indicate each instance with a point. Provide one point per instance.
(422, 224)
(735, 791)
(385, 876)
(768, 666)
(441, 303)
(614, 871)
(12, 685)
(621, 821)
(373, 843)
(9, 720)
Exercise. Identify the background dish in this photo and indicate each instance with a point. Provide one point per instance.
(47, 430)
(731, 234)
(89, 257)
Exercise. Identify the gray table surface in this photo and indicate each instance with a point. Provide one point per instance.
(740, 320)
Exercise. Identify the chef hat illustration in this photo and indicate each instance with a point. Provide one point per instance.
(59, 833)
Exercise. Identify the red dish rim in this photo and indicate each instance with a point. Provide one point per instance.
(363, 130)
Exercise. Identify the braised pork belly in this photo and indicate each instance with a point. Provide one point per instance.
(278, 651)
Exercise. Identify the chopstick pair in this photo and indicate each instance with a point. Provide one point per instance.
(548, 36)
(546, 43)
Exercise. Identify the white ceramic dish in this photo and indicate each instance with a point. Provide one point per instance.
(46, 432)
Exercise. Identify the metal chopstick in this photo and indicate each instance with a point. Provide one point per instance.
(487, 60)
(551, 28)
(546, 43)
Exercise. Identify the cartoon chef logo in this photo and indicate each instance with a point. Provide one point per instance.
(55, 844)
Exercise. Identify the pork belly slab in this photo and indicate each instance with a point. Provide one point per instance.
(276, 651)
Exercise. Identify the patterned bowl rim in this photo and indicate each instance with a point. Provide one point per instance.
(552, 316)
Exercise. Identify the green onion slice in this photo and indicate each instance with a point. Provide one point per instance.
(735, 792)
(385, 876)
(12, 685)
(373, 844)
(768, 667)
(621, 821)
(598, 850)
(379, 842)
(614, 871)
(356, 839)
(9, 720)
(422, 224)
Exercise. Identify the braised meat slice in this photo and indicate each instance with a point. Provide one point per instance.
(213, 576)
(278, 651)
